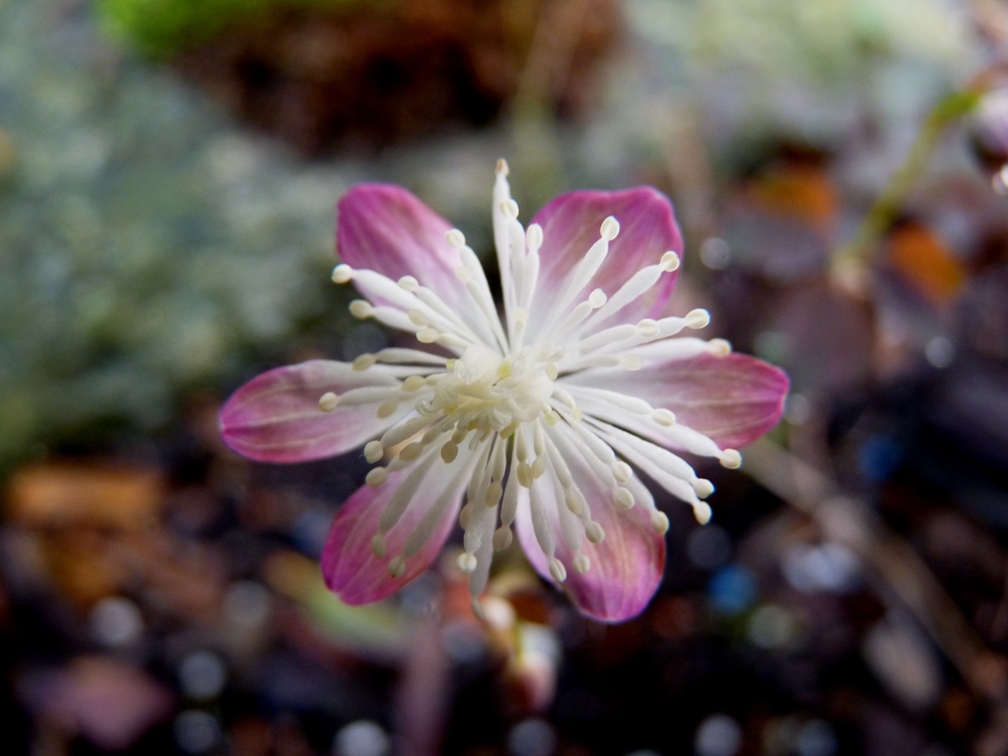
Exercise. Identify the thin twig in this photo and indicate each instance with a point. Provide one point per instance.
(852, 522)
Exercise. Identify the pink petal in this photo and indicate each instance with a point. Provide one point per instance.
(626, 567)
(351, 569)
(648, 229)
(275, 417)
(733, 399)
(385, 228)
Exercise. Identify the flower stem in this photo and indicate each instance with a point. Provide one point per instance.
(854, 255)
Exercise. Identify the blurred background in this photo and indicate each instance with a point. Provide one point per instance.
(168, 172)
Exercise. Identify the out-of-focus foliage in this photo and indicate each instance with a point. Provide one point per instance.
(143, 247)
(797, 38)
(160, 27)
(810, 69)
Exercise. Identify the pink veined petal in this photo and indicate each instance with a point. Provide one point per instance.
(625, 568)
(275, 417)
(385, 228)
(648, 229)
(733, 399)
(351, 569)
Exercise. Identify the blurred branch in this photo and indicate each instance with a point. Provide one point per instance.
(686, 160)
(852, 522)
(850, 258)
(547, 68)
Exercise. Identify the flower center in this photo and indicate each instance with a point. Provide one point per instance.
(488, 393)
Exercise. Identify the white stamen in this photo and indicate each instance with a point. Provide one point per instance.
(557, 570)
(610, 228)
(670, 261)
(731, 459)
(397, 567)
(698, 318)
(361, 309)
(342, 274)
(660, 522)
(719, 347)
(376, 476)
(373, 451)
(702, 512)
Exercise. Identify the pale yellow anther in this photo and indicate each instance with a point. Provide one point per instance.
(623, 498)
(417, 318)
(702, 512)
(342, 274)
(731, 459)
(524, 475)
(703, 487)
(594, 532)
(698, 318)
(449, 451)
(574, 500)
(534, 236)
(466, 562)
(373, 451)
(597, 298)
(631, 362)
(411, 451)
(361, 309)
(328, 401)
(502, 538)
(719, 347)
(670, 261)
(397, 567)
(456, 238)
(557, 570)
(493, 494)
(510, 209)
(387, 409)
(660, 522)
(364, 361)
(581, 564)
(538, 467)
(376, 476)
(648, 328)
(622, 471)
(409, 283)
(610, 228)
(551, 418)
(427, 335)
(378, 546)
(502, 168)
(552, 370)
(413, 383)
(664, 417)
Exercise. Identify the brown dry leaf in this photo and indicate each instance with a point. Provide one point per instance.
(60, 494)
(926, 262)
(803, 192)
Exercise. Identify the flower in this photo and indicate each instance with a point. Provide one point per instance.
(543, 420)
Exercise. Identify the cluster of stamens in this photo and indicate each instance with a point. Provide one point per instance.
(504, 400)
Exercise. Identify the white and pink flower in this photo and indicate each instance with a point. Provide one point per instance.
(544, 420)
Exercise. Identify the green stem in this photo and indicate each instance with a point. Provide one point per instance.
(887, 207)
